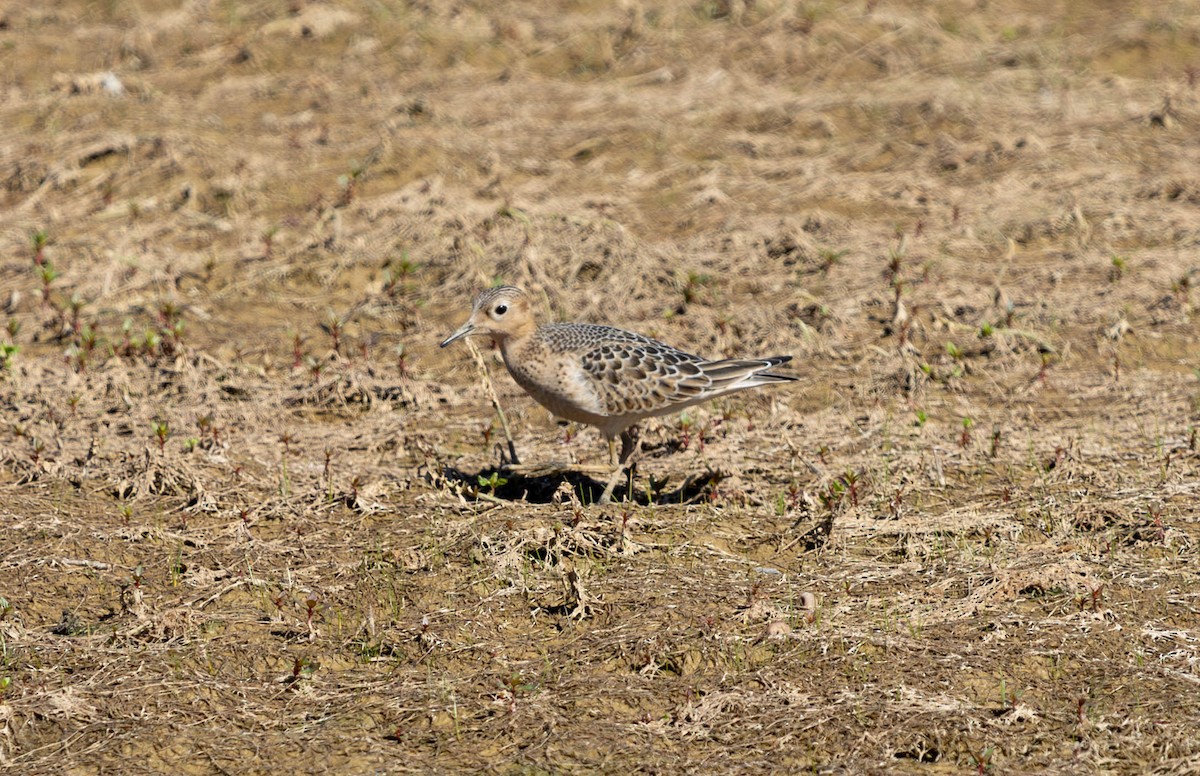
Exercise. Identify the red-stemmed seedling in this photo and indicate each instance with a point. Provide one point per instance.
(268, 240)
(297, 350)
(162, 431)
(686, 426)
(983, 760)
(332, 326)
(964, 439)
(896, 504)
(851, 479)
(829, 258)
(1043, 372)
(1092, 600)
(398, 275)
(75, 305)
(402, 360)
(36, 449)
(39, 239)
(349, 184)
(48, 275)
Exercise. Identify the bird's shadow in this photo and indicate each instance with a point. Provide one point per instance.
(506, 483)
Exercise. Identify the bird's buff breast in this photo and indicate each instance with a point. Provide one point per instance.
(552, 382)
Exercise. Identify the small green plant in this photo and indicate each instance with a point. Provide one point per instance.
(829, 258)
(954, 351)
(983, 760)
(151, 343)
(1119, 266)
(1044, 371)
(162, 432)
(492, 482)
(302, 667)
(36, 449)
(7, 352)
(922, 418)
(516, 686)
(402, 360)
(173, 335)
(126, 348)
(39, 239)
(88, 339)
(896, 504)
(514, 213)
(964, 439)
(986, 330)
(398, 274)
(310, 605)
(694, 285)
(1092, 599)
(47, 274)
(333, 327)
(297, 341)
(655, 486)
(205, 424)
(1183, 284)
(76, 358)
(170, 318)
(894, 265)
(686, 426)
(349, 183)
(850, 480)
(832, 496)
(268, 240)
(75, 306)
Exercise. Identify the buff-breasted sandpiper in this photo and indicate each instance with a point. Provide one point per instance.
(602, 376)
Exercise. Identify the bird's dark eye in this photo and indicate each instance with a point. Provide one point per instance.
(501, 309)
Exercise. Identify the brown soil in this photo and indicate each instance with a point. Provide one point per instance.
(244, 525)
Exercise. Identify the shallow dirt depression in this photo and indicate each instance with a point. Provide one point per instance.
(254, 521)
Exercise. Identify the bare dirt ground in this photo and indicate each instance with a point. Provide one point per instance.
(252, 519)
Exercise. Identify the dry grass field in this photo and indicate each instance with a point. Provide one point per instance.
(253, 520)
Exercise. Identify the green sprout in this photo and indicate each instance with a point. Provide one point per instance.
(162, 431)
(492, 482)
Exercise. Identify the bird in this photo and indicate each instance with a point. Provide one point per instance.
(603, 376)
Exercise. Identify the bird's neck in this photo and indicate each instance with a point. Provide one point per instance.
(515, 342)
(516, 339)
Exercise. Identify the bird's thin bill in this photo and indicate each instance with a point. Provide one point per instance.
(463, 331)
